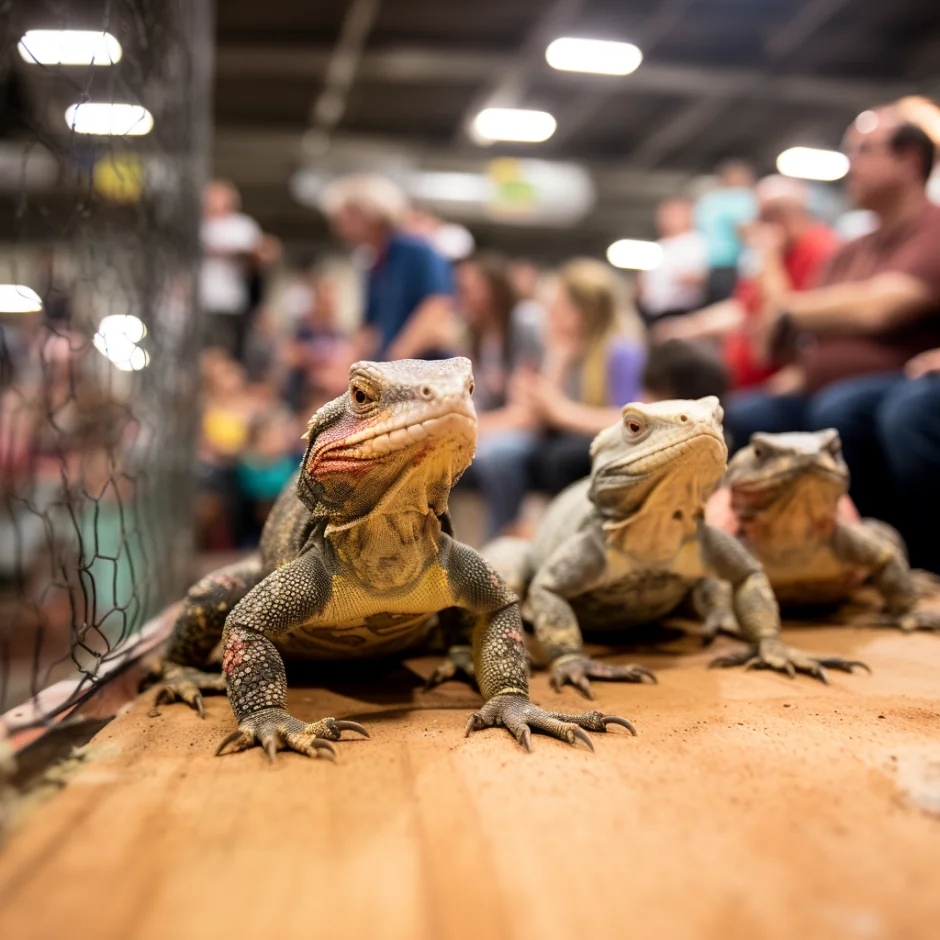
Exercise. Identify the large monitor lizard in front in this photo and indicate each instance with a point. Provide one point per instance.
(785, 495)
(354, 563)
(629, 545)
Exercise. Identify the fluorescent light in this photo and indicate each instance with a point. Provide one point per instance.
(514, 124)
(69, 47)
(450, 187)
(15, 298)
(635, 255)
(808, 163)
(593, 55)
(453, 241)
(123, 324)
(109, 119)
(117, 339)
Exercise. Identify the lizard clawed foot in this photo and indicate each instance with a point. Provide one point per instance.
(458, 665)
(520, 717)
(721, 623)
(275, 730)
(775, 654)
(186, 684)
(578, 670)
(913, 620)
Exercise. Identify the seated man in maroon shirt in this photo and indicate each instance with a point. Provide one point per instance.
(851, 339)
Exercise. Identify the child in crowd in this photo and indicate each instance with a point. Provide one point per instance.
(677, 369)
(315, 344)
(502, 347)
(272, 454)
(228, 410)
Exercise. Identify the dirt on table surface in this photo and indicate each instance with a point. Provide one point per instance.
(749, 806)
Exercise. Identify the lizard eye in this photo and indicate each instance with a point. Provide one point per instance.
(360, 395)
(634, 425)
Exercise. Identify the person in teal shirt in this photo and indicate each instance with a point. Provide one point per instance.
(719, 215)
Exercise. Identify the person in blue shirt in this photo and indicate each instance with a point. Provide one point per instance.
(719, 216)
(409, 311)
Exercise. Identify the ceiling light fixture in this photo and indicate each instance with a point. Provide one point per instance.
(809, 163)
(69, 47)
(117, 339)
(515, 124)
(635, 255)
(598, 56)
(109, 119)
(16, 298)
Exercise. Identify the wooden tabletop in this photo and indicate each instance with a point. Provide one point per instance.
(749, 806)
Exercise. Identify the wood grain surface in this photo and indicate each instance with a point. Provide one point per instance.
(749, 806)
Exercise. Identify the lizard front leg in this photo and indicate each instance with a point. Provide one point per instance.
(869, 546)
(575, 568)
(181, 674)
(713, 601)
(295, 593)
(500, 657)
(757, 612)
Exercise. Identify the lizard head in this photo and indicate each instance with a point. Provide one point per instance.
(792, 471)
(401, 436)
(674, 448)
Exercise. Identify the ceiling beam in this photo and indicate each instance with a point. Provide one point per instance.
(246, 154)
(668, 137)
(429, 65)
(807, 21)
(330, 106)
(690, 120)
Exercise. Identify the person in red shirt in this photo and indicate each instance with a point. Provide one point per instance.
(786, 249)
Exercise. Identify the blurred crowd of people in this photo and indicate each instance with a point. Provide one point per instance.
(756, 300)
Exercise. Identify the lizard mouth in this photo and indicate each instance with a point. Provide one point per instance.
(455, 421)
(774, 481)
(666, 456)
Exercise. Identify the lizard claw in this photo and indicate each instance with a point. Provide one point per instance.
(719, 623)
(774, 654)
(275, 730)
(332, 730)
(520, 717)
(458, 664)
(578, 670)
(186, 684)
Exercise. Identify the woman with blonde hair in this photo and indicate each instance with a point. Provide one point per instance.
(595, 349)
(595, 352)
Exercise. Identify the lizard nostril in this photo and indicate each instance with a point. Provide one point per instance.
(683, 418)
(427, 391)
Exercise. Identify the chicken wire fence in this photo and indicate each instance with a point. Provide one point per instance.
(99, 217)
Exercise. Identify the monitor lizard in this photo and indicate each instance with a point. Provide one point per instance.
(354, 561)
(629, 545)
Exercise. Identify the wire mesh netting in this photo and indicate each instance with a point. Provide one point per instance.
(99, 210)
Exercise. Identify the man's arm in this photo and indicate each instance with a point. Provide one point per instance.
(710, 322)
(873, 306)
(431, 325)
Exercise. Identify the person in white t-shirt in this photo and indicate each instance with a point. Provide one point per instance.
(231, 243)
(678, 284)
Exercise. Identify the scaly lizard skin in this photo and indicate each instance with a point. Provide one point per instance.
(785, 496)
(353, 563)
(629, 545)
